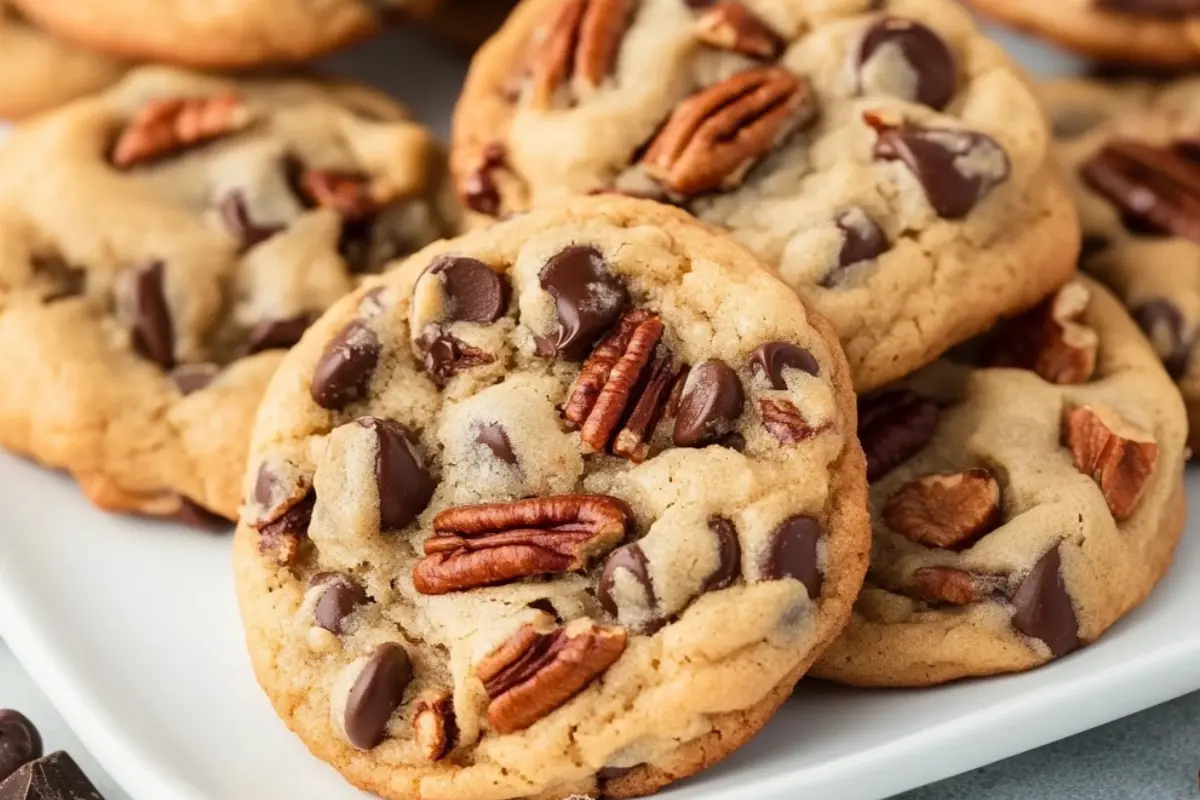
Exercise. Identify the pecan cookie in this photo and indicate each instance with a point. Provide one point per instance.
(161, 242)
(892, 164)
(1152, 33)
(548, 511)
(1021, 503)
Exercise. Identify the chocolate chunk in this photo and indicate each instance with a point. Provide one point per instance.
(236, 215)
(290, 525)
(476, 292)
(341, 596)
(729, 552)
(772, 358)
(197, 516)
(153, 333)
(711, 403)
(376, 694)
(478, 188)
(277, 334)
(864, 240)
(793, 553)
(589, 299)
(894, 426)
(54, 777)
(1156, 189)
(495, 438)
(405, 486)
(342, 375)
(632, 560)
(446, 355)
(956, 168)
(1043, 608)
(190, 378)
(20, 742)
(1164, 325)
(905, 59)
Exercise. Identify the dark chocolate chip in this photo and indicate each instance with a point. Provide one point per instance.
(1164, 325)
(588, 296)
(53, 777)
(495, 438)
(632, 560)
(711, 403)
(277, 334)
(894, 426)
(236, 216)
(342, 375)
(476, 292)
(20, 742)
(1043, 609)
(1155, 189)
(341, 595)
(544, 605)
(772, 358)
(928, 58)
(153, 332)
(197, 516)
(405, 486)
(479, 190)
(792, 553)
(376, 694)
(446, 355)
(269, 489)
(864, 240)
(190, 378)
(729, 554)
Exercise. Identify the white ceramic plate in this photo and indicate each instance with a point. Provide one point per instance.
(131, 629)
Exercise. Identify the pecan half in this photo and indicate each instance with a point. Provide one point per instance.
(434, 725)
(533, 673)
(163, 127)
(579, 42)
(715, 136)
(494, 543)
(1118, 455)
(353, 195)
(1158, 188)
(946, 585)
(785, 422)
(1049, 339)
(729, 25)
(945, 510)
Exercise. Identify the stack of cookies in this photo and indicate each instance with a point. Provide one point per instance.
(732, 342)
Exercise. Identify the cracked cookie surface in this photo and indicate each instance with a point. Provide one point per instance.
(547, 510)
(162, 242)
(889, 161)
(1021, 508)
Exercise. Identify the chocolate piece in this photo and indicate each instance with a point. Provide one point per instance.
(287, 529)
(197, 516)
(1156, 189)
(376, 694)
(476, 292)
(344, 371)
(710, 405)
(864, 241)
(1043, 609)
(894, 426)
(236, 216)
(588, 296)
(190, 378)
(277, 334)
(495, 438)
(54, 777)
(20, 742)
(772, 358)
(793, 553)
(341, 596)
(405, 486)
(153, 333)
(478, 188)
(1164, 326)
(446, 355)
(928, 72)
(632, 560)
(729, 551)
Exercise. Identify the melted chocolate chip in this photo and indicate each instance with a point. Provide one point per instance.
(475, 291)
(405, 486)
(928, 72)
(344, 371)
(341, 595)
(153, 332)
(729, 554)
(376, 694)
(894, 426)
(235, 213)
(446, 355)
(478, 188)
(197, 516)
(711, 403)
(589, 298)
(277, 334)
(772, 358)
(1043, 609)
(631, 560)
(20, 742)
(495, 438)
(1164, 326)
(864, 241)
(293, 523)
(792, 553)
(190, 378)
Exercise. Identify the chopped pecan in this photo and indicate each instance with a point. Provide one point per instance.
(1158, 188)
(351, 194)
(163, 127)
(493, 543)
(945, 510)
(729, 25)
(953, 586)
(434, 725)
(580, 42)
(279, 535)
(715, 136)
(1049, 339)
(533, 672)
(785, 422)
(1118, 455)
(633, 439)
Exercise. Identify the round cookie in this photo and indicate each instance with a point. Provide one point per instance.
(161, 242)
(548, 511)
(893, 165)
(1019, 508)
(1152, 33)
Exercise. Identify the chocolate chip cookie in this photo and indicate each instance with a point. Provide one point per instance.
(1021, 503)
(162, 242)
(1152, 33)
(549, 511)
(891, 164)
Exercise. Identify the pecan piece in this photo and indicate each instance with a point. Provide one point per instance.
(1157, 188)
(434, 725)
(715, 136)
(351, 194)
(946, 585)
(580, 42)
(1118, 455)
(950, 511)
(533, 673)
(785, 422)
(163, 127)
(494, 543)
(633, 439)
(729, 25)
(1049, 339)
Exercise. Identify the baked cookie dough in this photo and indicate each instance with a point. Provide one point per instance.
(548, 510)
(1019, 508)
(892, 164)
(162, 242)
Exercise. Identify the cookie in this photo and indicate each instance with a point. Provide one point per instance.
(1151, 33)
(230, 35)
(1134, 172)
(162, 242)
(41, 72)
(892, 165)
(1021, 502)
(547, 511)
